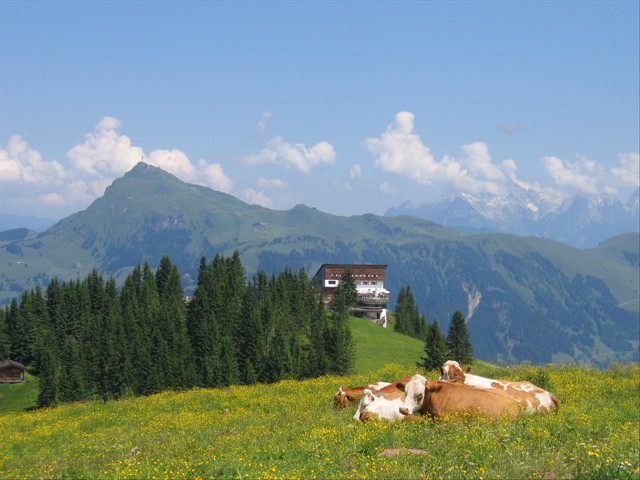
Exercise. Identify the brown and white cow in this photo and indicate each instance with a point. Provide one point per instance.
(533, 398)
(437, 398)
(373, 407)
(346, 396)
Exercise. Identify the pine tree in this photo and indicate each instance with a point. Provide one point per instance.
(202, 327)
(5, 340)
(436, 351)
(250, 338)
(47, 366)
(408, 318)
(339, 342)
(458, 340)
(173, 323)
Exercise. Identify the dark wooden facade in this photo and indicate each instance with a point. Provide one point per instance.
(11, 371)
(328, 276)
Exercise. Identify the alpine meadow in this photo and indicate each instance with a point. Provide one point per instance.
(291, 430)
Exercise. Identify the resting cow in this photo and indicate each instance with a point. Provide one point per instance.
(437, 398)
(373, 407)
(534, 399)
(346, 396)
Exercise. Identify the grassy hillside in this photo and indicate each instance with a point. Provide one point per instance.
(290, 430)
(377, 347)
(15, 397)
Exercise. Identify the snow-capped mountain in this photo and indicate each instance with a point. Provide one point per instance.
(581, 221)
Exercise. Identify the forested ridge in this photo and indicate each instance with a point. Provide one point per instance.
(89, 339)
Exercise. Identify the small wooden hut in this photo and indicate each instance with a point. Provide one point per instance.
(11, 371)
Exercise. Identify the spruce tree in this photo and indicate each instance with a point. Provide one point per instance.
(173, 323)
(339, 342)
(436, 351)
(5, 340)
(458, 340)
(408, 318)
(47, 366)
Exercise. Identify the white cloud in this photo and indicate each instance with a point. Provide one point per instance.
(104, 152)
(628, 173)
(20, 165)
(355, 171)
(272, 183)
(581, 174)
(279, 152)
(94, 164)
(386, 189)
(400, 150)
(107, 154)
(257, 198)
(214, 177)
(479, 164)
(262, 123)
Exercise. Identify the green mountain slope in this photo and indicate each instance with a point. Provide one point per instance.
(525, 298)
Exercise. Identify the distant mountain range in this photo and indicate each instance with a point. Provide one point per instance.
(10, 222)
(525, 298)
(581, 221)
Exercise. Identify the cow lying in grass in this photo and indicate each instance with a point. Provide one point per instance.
(533, 398)
(438, 398)
(346, 396)
(373, 407)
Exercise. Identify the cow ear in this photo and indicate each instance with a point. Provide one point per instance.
(466, 369)
(433, 386)
(400, 386)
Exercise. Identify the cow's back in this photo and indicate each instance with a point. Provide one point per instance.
(443, 398)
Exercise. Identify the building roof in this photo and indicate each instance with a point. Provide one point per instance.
(11, 363)
(325, 266)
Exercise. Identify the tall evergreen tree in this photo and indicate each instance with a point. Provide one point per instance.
(115, 377)
(408, 318)
(5, 340)
(47, 366)
(436, 351)
(203, 328)
(339, 341)
(11, 322)
(459, 340)
(157, 350)
(250, 338)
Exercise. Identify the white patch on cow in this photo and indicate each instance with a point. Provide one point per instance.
(383, 408)
(414, 390)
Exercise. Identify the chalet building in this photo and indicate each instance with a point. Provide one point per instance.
(369, 279)
(11, 371)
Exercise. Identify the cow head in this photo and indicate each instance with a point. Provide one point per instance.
(341, 398)
(367, 398)
(414, 390)
(452, 371)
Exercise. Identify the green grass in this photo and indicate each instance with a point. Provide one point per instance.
(377, 347)
(15, 397)
(290, 430)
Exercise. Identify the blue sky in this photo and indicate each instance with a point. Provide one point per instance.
(348, 106)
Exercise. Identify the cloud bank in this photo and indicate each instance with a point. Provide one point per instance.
(294, 155)
(400, 150)
(104, 155)
(30, 184)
